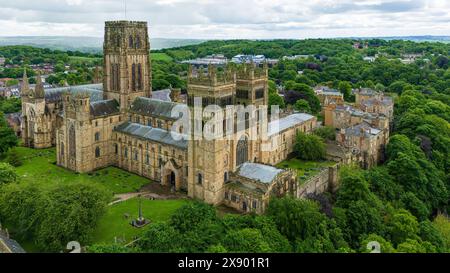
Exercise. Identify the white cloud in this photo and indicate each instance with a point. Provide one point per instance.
(230, 18)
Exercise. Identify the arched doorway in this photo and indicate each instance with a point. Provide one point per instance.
(171, 175)
(171, 179)
(242, 151)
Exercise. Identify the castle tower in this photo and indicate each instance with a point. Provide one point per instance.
(209, 160)
(126, 66)
(252, 86)
(36, 127)
(74, 150)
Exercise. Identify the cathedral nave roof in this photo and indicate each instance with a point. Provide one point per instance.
(104, 108)
(151, 133)
(153, 107)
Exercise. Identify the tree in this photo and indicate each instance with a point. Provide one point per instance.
(363, 219)
(415, 206)
(8, 138)
(353, 187)
(302, 106)
(277, 242)
(7, 174)
(442, 224)
(302, 223)
(305, 92)
(411, 246)
(71, 213)
(275, 99)
(191, 215)
(161, 238)
(310, 147)
(346, 89)
(385, 246)
(429, 233)
(247, 240)
(326, 132)
(382, 184)
(402, 226)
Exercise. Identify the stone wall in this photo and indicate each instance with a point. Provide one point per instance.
(325, 180)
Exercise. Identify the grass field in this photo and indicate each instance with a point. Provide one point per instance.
(160, 57)
(305, 169)
(114, 224)
(39, 166)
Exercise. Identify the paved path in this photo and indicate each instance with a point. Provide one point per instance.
(153, 192)
(126, 196)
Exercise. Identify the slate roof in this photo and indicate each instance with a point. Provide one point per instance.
(384, 101)
(366, 91)
(259, 172)
(153, 134)
(104, 108)
(95, 92)
(245, 187)
(163, 95)
(282, 124)
(11, 245)
(153, 107)
(352, 111)
(360, 129)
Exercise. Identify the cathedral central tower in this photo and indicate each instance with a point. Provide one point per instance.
(126, 62)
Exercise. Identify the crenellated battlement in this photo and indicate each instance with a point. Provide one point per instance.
(250, 71)
(121, 23)
(211, 77)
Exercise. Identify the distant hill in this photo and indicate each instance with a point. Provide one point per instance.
(94, 44)
(85, 44)
(429, 38)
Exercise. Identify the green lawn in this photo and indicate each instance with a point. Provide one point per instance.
(160, 57)
(39, 166)
(305, 169)
(114, 224)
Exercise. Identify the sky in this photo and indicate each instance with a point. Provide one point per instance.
(229, 19)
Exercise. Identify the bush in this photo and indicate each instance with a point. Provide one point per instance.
(14, 158)
(7, 174)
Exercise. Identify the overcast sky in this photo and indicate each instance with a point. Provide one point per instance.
(230, 18)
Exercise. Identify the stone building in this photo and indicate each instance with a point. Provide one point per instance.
(367, 144)
(123, 123)
(363, 129)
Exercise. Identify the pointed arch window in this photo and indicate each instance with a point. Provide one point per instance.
(133, 77)
(72, 142)
(130, 41)
(199, 179)
(138, 42)
(97, 152)
(242, 151)
(139, 76)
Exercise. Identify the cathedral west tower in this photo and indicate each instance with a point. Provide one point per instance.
(126, 63)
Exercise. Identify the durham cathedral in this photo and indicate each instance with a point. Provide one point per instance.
(123, 123)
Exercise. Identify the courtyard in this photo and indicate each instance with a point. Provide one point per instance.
(305, 169)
